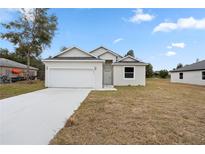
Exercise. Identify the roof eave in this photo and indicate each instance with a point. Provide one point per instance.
(128, 56)
(55, 60)
(175, 71)
(67, 50)
(137, 64)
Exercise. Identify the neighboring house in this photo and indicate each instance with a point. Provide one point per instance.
(192, 74)
(14, 70)
(76, 68)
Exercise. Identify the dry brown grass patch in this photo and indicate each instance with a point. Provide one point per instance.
(160, 113)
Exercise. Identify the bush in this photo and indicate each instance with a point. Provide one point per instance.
(149, 71)
(163, 73)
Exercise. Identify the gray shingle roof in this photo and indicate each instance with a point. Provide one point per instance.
(192, 67)
(10, 63)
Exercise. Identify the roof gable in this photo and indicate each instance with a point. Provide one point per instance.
(74, 52)
(98, 51)
(102, 50)
(108, 56)
(128, 58)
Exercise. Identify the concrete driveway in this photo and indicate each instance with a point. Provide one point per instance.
(34, 118)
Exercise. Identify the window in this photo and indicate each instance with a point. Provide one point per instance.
(129, 72)
(180, 75)
(203, 75)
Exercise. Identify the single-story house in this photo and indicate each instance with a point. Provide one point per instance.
(76, 68)
(191, 74)
(13, 70)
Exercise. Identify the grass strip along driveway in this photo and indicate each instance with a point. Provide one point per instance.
(21, 87)
(160, 113)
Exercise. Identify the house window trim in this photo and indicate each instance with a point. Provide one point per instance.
(133, 73)
(182, 76)
(203, 75)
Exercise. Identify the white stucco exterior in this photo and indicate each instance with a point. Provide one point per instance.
(190, 77)
(80, 68)
(75, 68)
(120, 80)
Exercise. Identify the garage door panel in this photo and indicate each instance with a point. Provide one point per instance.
(71, 78)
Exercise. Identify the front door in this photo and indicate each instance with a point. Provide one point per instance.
(108, 79)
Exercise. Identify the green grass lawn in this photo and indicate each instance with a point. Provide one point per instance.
(21, 87)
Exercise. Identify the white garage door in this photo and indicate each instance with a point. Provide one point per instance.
(71, 77)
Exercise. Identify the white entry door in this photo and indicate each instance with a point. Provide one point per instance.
(71, 77)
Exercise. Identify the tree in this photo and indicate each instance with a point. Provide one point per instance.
(197, 60)
(31, 32)
(163, 73)
(131, 53)
(180, 65)
(149, 71)
(4, 52)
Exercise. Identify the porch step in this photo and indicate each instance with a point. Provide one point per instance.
(108, 88)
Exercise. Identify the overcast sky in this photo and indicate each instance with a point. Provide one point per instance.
(162, 37)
